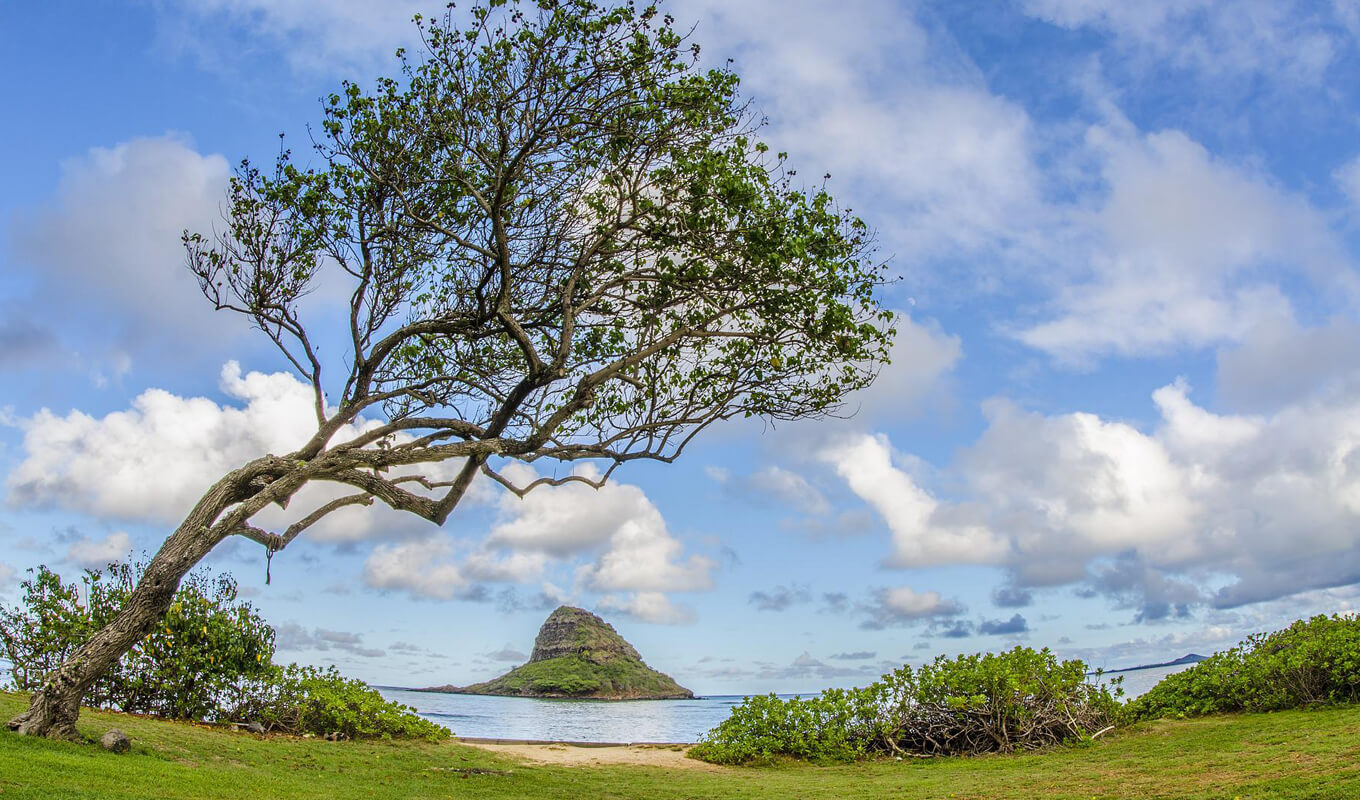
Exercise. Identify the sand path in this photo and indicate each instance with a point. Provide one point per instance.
(671, 756)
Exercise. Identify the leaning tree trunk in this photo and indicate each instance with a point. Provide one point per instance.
(53, 710)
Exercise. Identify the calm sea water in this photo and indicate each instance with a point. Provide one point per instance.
(568, 720)
(623, 721)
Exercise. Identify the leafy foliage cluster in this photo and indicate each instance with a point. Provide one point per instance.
(1021, 699)
(1312, 662)
(210, 658)
(301, 700)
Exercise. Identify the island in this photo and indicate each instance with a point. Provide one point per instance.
(578, 655)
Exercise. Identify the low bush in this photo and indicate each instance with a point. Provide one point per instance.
(1021, 699)
(208, 642)
(306, 700)
(209, 659)
(1312, 662)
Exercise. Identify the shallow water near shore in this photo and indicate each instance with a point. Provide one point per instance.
(627, 721)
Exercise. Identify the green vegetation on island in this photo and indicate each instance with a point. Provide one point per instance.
(578, 655)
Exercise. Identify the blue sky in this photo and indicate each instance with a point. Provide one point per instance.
(1123, 419)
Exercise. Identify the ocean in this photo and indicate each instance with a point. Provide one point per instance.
(634, 721)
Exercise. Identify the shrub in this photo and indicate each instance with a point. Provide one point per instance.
(1020, 699)
(301, 700)
(209, 659)
(1312, 662)
(206, 644)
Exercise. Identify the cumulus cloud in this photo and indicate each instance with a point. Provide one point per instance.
(1177, 253)
(923, 356)
(901, 116)
(1271, 39)
(903, 605)
(154, 460)
(313, 35)
(1205, 509)
(639, 553)
(427, 569)
(921, 536)
(858, 655)
(88, 553)
(653, 607)
(1281, 363)
(615, 537)
(108, 244)
(772, 485)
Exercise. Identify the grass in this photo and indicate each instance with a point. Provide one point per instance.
(1285, 755)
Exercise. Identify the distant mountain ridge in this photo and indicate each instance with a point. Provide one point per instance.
(1188, 658)
(578, 655)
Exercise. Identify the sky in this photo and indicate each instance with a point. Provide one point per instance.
(1122, 419)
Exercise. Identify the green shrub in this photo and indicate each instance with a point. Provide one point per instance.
(209, 659)
(1020, 699)
(1312, 662)
(306, 700)
(205, 646)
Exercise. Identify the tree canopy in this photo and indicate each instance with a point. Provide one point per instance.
(560, 238)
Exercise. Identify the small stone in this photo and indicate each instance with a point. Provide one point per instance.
(115, 741)
(254, 727)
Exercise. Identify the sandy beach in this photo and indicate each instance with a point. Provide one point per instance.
(671, 756)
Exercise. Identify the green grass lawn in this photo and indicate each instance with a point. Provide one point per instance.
(1296, 754)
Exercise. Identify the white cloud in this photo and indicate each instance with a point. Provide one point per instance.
(772, 485)
(422, 568)
(615, 537)
(922, 358)
(639, 553)
(88, 553)
(312, 35)
(653, 607)
(907, 602)
(1283, 363)
(903, 605)
(1180, 251)
(1207, 508)
(1276, 40)
(646, 559)
(573, 518)
(153, 461)
(894, 114)
(108, 244)
(921, 536)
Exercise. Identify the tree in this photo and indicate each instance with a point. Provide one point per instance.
(560, 239)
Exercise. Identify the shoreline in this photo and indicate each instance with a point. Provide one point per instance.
(595, 754)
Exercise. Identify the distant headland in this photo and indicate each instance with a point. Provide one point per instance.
(1188, 658)
(578, 655)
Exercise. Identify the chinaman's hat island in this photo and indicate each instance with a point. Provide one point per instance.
(578, 655)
